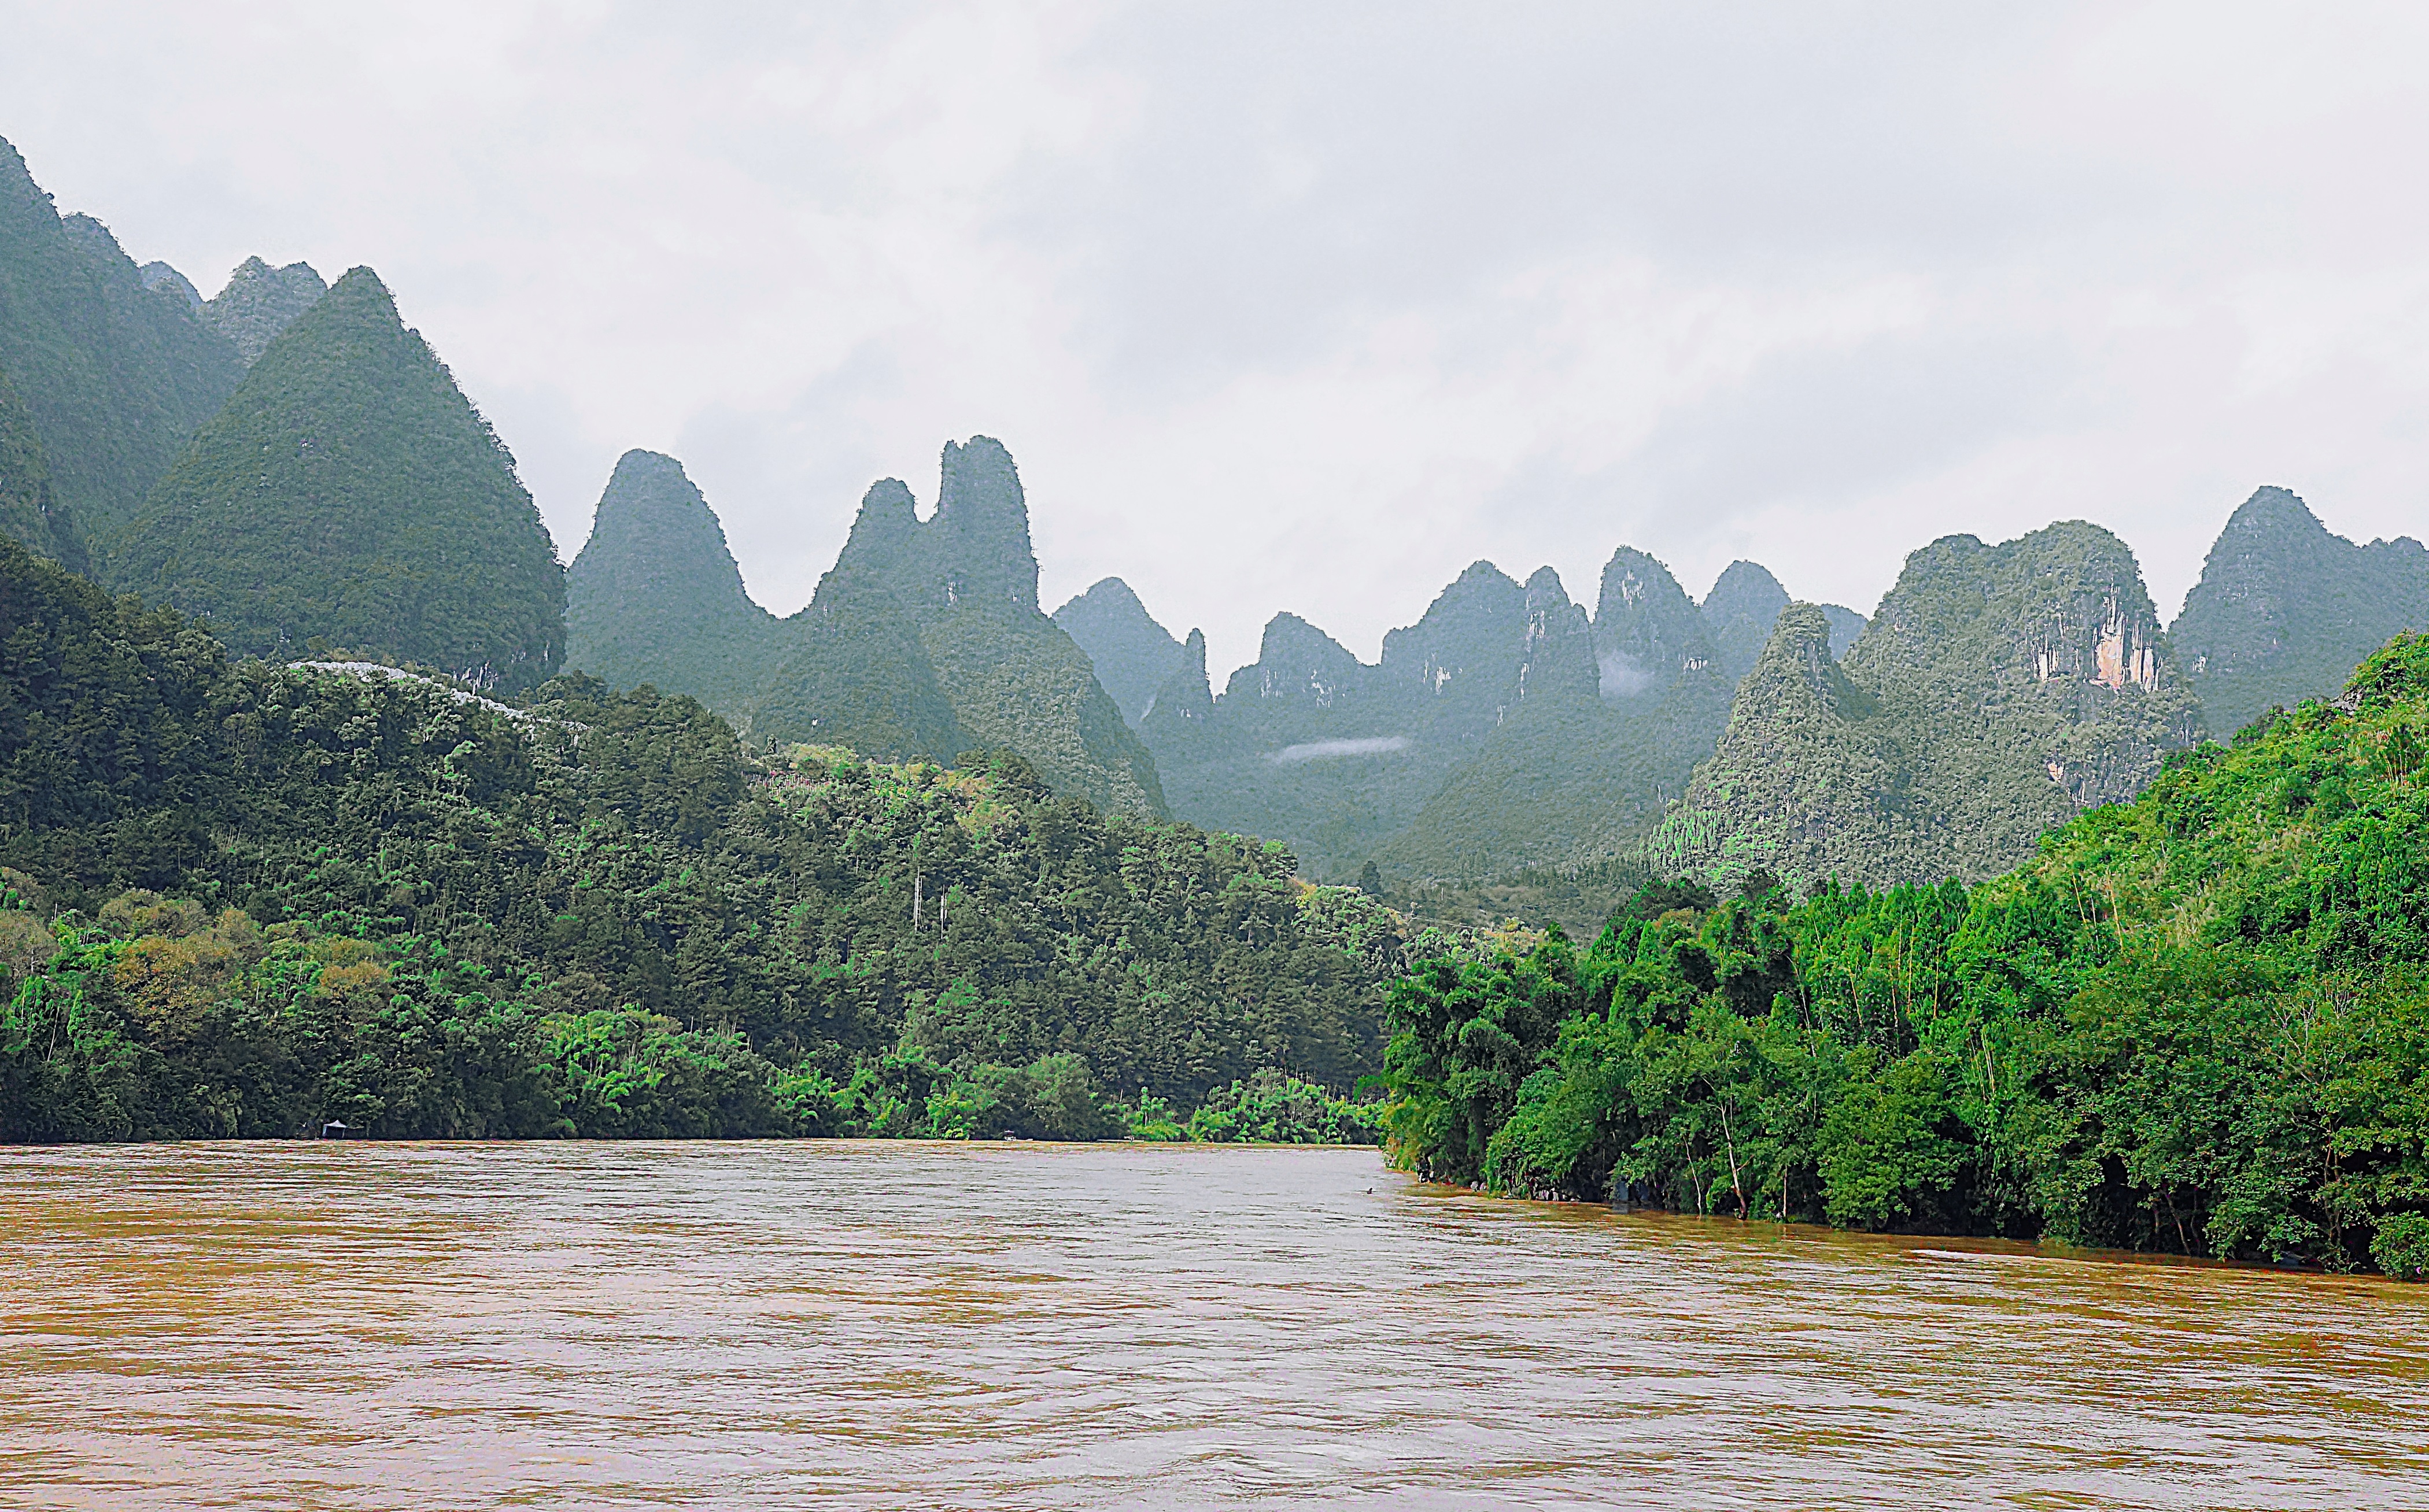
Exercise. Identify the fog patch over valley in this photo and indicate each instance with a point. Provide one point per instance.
(1318, 751)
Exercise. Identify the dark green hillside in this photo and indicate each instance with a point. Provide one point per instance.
(654, 596)
(1132, 653)
(1998, 691)
(259, 301)
(30, 514)
(2285, 609)
(350, 496)
(391, 902)
(2195, 1023)
(116, 376)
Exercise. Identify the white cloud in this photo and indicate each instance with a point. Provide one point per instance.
(1318, 751)
(1306, 307)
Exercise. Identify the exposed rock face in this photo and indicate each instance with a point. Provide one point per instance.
(1132, 653)
(2285, 609)
(350, 497)
(1186, 701)
(159, 275)
(655, 596)
(1998, 691)
(113, 376)
(259, 301)
(1648, 635)
(1745, 603)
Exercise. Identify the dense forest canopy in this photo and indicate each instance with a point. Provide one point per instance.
(2196, 1023)
(247, 897)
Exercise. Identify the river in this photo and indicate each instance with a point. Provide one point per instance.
(545, 1325)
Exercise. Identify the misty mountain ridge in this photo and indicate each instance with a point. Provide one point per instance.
(924, 640)
(292, 461)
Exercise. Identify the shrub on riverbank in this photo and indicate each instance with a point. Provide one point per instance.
(2196, 1023)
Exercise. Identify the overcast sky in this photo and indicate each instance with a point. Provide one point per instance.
(1307, 305)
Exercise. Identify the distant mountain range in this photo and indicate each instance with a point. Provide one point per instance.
(925, 640)
(291, 460)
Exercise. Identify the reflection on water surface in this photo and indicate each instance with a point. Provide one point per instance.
(869, 1324)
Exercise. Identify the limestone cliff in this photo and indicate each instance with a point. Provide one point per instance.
(1999, 690)
(259, 301)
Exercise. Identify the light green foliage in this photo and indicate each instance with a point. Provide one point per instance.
(350, 498)
(2195, 1023)
(1275, 1108)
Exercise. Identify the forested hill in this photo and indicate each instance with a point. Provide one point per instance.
(2196, 1023)
(2285, 608)
(114, 375)
(350, 497)
(243, 899)
(655, 598)
(924, 639)
(1998, 691)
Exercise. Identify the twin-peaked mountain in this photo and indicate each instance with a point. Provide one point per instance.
(1998, 691)
(924, 640)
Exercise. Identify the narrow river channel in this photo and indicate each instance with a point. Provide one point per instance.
(875, 1324)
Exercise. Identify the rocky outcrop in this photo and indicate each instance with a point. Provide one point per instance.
(2286, 609)
(259, 301)
(159, 275)
(1998, 691)
(1185, 704)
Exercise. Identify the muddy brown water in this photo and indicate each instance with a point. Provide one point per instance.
(872, 1324)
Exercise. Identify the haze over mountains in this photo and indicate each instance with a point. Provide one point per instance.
(295, 463)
